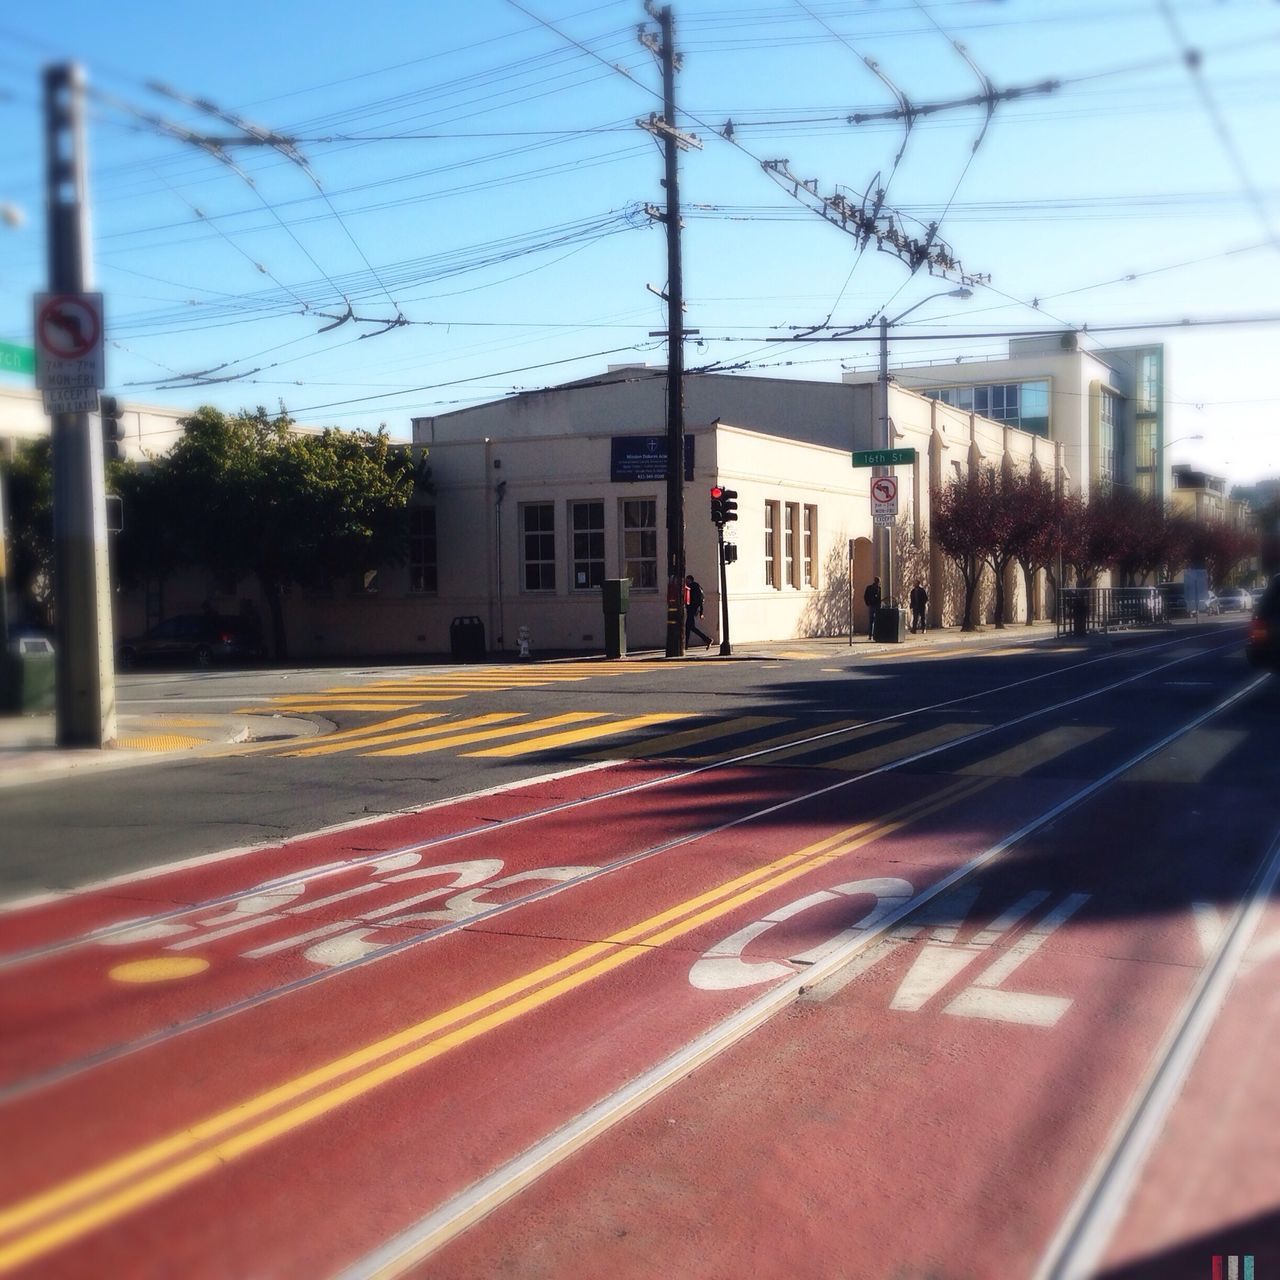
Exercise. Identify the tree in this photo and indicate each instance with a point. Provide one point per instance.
(1035, 527)
(249, 499)
(962, 521)
(28, 502)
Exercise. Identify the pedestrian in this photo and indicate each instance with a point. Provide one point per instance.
(918, 599)
(693, 601)
(871, 598)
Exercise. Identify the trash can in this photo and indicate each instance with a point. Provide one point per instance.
(890, 625)
(466, 639)
(615, 594)
(28, 678)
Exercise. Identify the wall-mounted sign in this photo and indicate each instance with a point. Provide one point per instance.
(634, 458)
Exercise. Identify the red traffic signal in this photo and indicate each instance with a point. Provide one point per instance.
(717, 505)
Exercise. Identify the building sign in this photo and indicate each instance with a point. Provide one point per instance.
(69, 351)
(634, 458)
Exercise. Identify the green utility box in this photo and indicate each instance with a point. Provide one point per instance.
(28, 680)
(890, 626)
(615, 593)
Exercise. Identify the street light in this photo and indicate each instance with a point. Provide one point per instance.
(883, 540)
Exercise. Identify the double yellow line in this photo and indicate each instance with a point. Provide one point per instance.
(55, 1218)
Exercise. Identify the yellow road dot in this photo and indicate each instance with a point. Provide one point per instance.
(159, 969)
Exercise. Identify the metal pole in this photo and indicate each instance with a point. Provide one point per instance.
(725, 650)
(86, 713)
(675, 349)
(881, 544)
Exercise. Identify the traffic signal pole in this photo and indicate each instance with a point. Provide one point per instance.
(86, 713)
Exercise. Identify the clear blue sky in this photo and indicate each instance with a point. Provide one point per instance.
(482, 175)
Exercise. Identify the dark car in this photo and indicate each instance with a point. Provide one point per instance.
(194, 638)
(1264, 630)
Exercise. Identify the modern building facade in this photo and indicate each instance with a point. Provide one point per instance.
(1105, 407)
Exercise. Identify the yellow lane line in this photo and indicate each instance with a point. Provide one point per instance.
(550, 741)
(482, 735)
(480, 1014)
(380, 737)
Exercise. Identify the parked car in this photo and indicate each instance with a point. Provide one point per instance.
(1175, 600)
(1263, 648)
(1235, 600)
(1212, 605)
(201, 639)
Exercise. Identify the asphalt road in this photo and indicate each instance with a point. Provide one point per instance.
(936, 966)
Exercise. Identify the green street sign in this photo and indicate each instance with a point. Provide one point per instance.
(17, 359)
(884, 458)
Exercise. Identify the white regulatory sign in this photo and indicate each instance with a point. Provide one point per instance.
(70, 368)
(884, 499)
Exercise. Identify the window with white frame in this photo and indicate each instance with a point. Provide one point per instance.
(586, 525)
(790, 535)
(538, 528)
(810, 577)
(640, 542)
(422, 550)
(772, 518)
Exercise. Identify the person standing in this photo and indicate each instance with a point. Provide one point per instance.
(871, 598)
(918, 599)
(693, 602)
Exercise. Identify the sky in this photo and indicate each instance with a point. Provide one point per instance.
(475, 173)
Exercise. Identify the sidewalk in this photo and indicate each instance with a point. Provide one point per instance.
(29, 750)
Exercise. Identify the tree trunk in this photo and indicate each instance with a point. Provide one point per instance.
(1028, 578)
(1000, 601)
(970, 595)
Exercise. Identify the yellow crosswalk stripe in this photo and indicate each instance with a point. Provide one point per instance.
(672, 743)
(797, 738)
(1016, 761)
(380, 738)
(1190, 759)
(465, 739)
(548, 742)
(885, 752)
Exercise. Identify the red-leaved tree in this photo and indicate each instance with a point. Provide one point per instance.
(962, 520)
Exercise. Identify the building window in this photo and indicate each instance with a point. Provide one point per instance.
(810, 541)
(772, 518)
(790, 535)
(422, 550)
(586, 521)
(1024, 405)
(640, 542)
(538, 524)
(1107, 438)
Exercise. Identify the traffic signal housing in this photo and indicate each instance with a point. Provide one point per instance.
(109, 410)
(729, 504)
(717, 505)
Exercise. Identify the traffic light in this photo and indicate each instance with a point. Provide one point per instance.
(717, 505)
(730, 553)
(728, 504)
(109, 410)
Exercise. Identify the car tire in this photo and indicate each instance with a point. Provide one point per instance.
(204, 656)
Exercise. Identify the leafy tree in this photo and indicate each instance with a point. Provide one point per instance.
(249, 499)
(1035, 527)
(28, 503)
(962, 521)
(1000, 555)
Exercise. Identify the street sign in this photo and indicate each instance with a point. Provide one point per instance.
(884, 499)
(70, 368)
(17, 359)
(884, 458)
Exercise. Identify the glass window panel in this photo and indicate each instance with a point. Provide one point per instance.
(422, 549)
(539, 520)
(587, 522)
(640, 542)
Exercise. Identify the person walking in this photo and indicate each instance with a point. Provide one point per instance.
(918, 599)
(871, 598)
(693, 601)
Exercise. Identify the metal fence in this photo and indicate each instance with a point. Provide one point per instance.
(1085, 610)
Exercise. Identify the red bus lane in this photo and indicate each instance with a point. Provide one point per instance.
(934, 1108)
(369, 1098)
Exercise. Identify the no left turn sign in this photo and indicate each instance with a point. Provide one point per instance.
(884, 489)
(70, 367)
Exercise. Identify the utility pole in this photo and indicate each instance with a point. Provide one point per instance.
(664, 49)
(86, 713)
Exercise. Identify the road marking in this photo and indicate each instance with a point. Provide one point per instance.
(885, 751)
(356, 739)
(1192, 758)
(482, 735)
(1020, 760)
(673, 743)
(211, 1143)
(785, 745)
(548, 742)
(158, 969)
